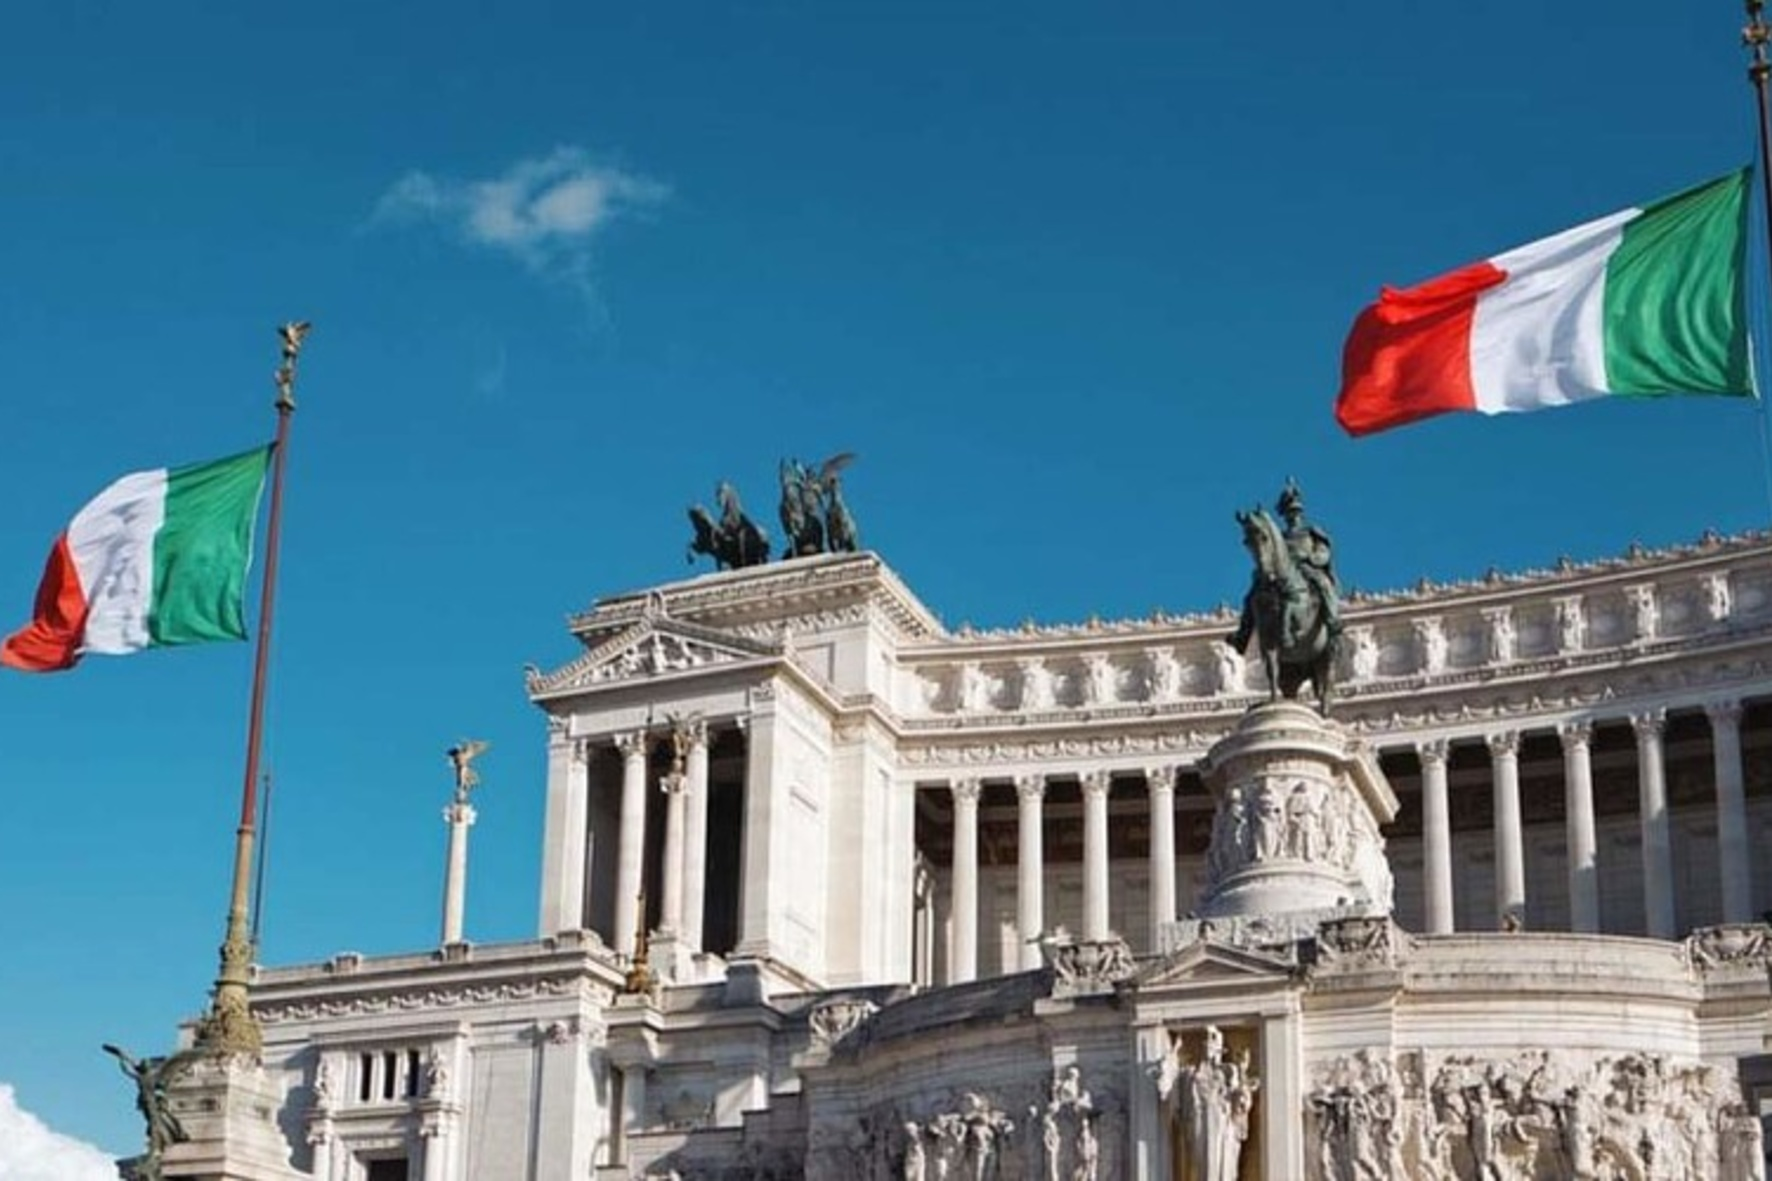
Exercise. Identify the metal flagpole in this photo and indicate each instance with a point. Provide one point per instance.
(1756, 35)
(229, 1027)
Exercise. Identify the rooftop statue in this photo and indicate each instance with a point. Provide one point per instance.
(151, 1076)
(734, 541)
(812, 509)
(1293, 606)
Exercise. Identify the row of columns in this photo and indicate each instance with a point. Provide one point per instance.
(1657, 840)
(1510, 859)
(681, 907)
(1030, 918)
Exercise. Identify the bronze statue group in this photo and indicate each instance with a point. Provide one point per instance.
(813, 515)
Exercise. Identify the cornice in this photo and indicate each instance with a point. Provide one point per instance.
(780, 593)
(1494, 588)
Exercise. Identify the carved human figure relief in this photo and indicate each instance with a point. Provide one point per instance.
(1717, 600)
(1231, 676)
(1571, 625)
(1164, 674)
(1212, 1100)
(1430, 644)
(1036, 685)
(1501, 635)
(1101, 686)
(1645, 611)
(916, 1162)
(975, 689)
(1363, 658)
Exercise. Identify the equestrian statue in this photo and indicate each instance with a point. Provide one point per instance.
(1293, 607)
(734, 541)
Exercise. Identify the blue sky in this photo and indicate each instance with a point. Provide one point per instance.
(1071, 279)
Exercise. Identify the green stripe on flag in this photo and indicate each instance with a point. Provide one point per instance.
(1676, 295)
(202, 552)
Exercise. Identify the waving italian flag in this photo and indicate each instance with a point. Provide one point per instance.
(158, 558)
(1645, 302)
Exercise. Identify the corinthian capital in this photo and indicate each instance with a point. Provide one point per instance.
(1503, 743)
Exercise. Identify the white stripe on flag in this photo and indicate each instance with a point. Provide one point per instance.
(1539, 338)
(111, 541)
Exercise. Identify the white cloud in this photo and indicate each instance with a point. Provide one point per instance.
(547, 211)
(30, 1151)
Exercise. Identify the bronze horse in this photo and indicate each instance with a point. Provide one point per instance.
(1290, 623)
(734, 541)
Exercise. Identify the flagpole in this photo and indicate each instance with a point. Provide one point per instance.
(1756, 35)
(229, 1027)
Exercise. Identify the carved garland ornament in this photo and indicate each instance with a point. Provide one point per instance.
(407, 1002)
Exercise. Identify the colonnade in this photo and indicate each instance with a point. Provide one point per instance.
(1576, 736)
(1503, 746)
(685, 866)
(1030, 918)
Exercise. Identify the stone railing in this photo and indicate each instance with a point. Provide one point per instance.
(1626, 610)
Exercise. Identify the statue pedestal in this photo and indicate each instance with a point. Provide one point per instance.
(229, 1113)
(1295, 840)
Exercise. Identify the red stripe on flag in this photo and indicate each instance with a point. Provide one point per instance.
(51, 640)
(1408, 356)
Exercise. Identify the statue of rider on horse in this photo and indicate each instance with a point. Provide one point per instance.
(1293, 607)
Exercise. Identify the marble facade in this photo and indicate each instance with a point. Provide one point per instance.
(1043, 902)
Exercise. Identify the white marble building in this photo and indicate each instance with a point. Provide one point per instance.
(922, 903)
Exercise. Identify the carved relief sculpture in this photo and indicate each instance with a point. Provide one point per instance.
(1717, 600)
(1571, 624)
(1036, 686)
(1363, 660)
(1165, 674)
(1501, 634)
(1573, 1116)
(1101, 685)
(1211, 1099)
(1431, 645)
(1645, 611)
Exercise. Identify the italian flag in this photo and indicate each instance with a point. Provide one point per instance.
(1646, 302)
(158, 558)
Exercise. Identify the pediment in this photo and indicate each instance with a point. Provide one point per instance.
(652, 647)
(1205, 964)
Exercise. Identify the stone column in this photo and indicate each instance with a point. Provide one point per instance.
(435, 1153)
(964, 887)
(1658, 853)
(459, 815)
(566, 844)
(695, 852)
(1578, 808)
(1436, 837)
(1732, 843)
(633, 1106)
(670, 911)
(1095, 855)
(1510, 841)
(1282, 1095)
(632, 851)
(1160, 781)
(1030, 867)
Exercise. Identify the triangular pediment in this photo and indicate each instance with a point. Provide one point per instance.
(654, 646)
(1205, 964)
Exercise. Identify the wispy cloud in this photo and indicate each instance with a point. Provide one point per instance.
(546, 211)
(30, 1151)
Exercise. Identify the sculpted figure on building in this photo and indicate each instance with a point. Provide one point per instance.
(1211, 1100)
(1293, 605)
(734, 541)
(1569, 1115)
